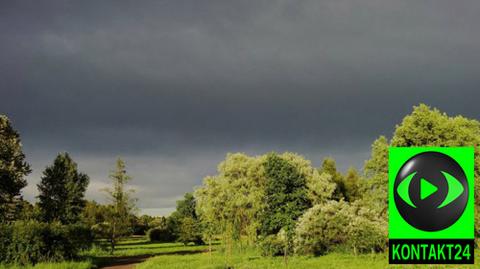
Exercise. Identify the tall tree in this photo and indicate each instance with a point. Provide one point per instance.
(425, 126)
(62, 191)
(122, 205)
(230, 202)
(286, 198)
(13, 169)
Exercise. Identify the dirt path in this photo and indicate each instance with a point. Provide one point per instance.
(126, 262)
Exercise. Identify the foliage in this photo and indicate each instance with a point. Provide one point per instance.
(286, 198)
(13, 169)
(272, 245)
(160, 234)
(190, 231)
(423, 127)
(319, 184)
(285, 195)
(62, 190)
(52, 265)
(375, 188)
(118, 221)
(30, 242)
(367, 233)
(145, 222)
(324, 227)
(352, 182)
(184, 223)
(230, 203)
(329, 167)
(93, 213)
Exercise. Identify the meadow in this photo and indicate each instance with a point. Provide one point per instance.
(179, 256)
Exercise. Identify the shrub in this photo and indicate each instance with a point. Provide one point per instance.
(272, 245)
(160, 234)
(5, 240)
(329, 225)
(366, 233)
(321, 227)
(30, 242)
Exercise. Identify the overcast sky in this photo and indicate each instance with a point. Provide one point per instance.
(172, 86)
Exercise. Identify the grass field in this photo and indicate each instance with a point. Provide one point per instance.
(330, 261)
(176, 256)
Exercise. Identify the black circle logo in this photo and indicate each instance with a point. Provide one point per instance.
(431, 191)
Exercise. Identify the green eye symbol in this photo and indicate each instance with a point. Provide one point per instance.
(455, 189)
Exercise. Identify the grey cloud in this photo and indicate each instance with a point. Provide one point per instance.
(174, 85)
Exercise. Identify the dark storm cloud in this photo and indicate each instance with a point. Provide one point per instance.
(174, 85)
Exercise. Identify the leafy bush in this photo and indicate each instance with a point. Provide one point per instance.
(326, 226)
(160, 234)
(5, 240)
(272, 245)
(321, 227)
(30, 242)
(366, 233)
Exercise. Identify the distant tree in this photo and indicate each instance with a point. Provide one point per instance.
(93, 213)
(352, 185)
(286, 198)
(28, 211)
(329, 167)
(186, 206)
(62, 190)
(143, 224)
(13, 169)
(118, 218)
(184, 223)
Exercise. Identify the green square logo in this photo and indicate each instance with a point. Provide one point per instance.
(431, 198)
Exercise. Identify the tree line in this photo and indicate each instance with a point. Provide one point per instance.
(276, 203)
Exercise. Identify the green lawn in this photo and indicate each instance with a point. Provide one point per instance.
(330, 261)
(176, 255)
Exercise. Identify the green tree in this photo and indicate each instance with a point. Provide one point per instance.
(230, 202)
(286, 198)
(118, 221)
(423, 127)
(186, 206)
(352, 185)
(62, 190)
(189, 231)
(184, 223)
(320, 186)
(13, 169)
(93, 213)
(329, 167)
(375, 188)
(430, 127)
